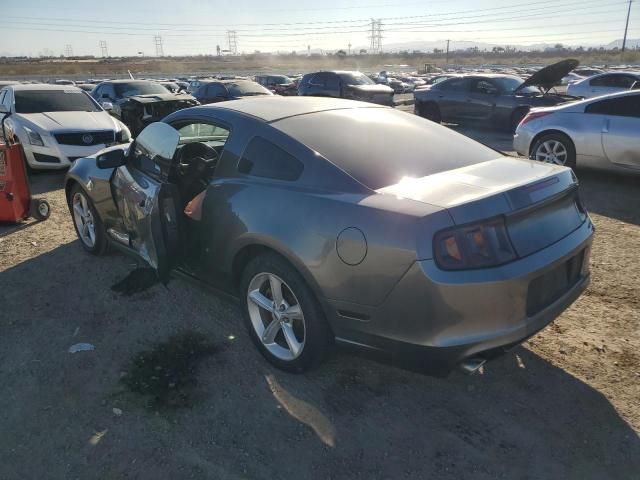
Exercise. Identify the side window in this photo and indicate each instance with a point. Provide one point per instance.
(455, 85)
(484, 86)
(97, 93)
(319, 80)
(3, 93)
(216, 90)
(627, 106)
(333, 81)
(213, 135)
(624, 81)
(603, 81)
(262, 158)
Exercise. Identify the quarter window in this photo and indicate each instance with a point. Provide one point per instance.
(262, 158)
(626, 106)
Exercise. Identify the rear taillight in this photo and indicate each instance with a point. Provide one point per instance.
(533, 115)
(479, 245)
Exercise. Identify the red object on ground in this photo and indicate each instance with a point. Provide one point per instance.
(15, 197)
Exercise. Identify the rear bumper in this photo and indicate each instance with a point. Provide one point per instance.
(433, 320)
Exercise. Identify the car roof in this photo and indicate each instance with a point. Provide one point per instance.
(129, 80)
(41, 86)
(273, 108)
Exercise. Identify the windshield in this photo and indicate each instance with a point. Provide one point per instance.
(281, 80)
(39, 101)
(356, 78)
(241, 89)
(124, 90)
(509, 85)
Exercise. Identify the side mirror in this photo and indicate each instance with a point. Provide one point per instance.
(108, 106)
(111, 159)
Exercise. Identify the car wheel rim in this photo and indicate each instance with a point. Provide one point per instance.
(83, 219)
(552, 151)
(43, 209)
(276, 316)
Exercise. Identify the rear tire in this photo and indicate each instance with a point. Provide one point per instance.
(430, 111)
(87, 222)
(543, 150)
(291, 310)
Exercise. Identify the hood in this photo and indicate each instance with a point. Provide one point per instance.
(59, 121)
(160, 97)
(551, 75)
(371, 88)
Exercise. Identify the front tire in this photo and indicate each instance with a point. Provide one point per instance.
(86, 221)
(554, 148)
(282, 315)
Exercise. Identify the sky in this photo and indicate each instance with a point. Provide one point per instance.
(37, 27)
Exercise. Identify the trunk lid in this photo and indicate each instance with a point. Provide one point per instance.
(538, 201)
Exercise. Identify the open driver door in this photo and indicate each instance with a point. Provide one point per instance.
(148, 201)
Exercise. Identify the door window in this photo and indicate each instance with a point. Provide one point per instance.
(455, 85)
(216, 90)
(613, 81)
(213, 135)
(262, 158)
(626, 106)
(333, 81)
(319, 79)
(483, 86)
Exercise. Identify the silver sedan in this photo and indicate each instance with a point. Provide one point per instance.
(600, 132)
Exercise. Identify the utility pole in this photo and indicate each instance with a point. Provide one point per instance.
(447, 61)
(379, 36)
(626, 27)
(68, 50)
(159, 49)
(372, 37)
(349, 48)
(232, 39)
(103, 49)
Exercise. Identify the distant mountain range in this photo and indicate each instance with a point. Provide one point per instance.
(428, 46)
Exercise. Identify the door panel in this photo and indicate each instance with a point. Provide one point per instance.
(146, 201)
(620, 140)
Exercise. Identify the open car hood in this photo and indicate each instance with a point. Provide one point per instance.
(551, 75)
(160, 97)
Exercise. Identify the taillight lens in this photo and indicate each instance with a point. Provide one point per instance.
(479, 245)
(532, 116)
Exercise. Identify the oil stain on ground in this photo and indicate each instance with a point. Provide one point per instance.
(166, 374)
(136, 281)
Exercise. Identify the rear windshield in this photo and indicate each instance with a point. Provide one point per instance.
(280, 80)
(39, 101)
(240, 89)
(356, 78)
(124, 90)
(380, 146)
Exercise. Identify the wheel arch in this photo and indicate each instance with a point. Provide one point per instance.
(252, 249)
(550, 131)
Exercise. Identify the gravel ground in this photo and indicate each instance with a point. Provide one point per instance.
(565, 405)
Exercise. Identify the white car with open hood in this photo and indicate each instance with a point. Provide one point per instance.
(57, 124)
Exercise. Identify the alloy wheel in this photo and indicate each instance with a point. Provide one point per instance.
(276, 316)
(83, 218)
(552, 151)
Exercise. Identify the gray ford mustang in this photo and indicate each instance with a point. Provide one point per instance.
(338, 220)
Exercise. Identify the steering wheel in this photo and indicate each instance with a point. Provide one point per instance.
(197, 150)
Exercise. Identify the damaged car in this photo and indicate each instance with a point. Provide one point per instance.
(137, 103)
(447, 256)
(495, 100)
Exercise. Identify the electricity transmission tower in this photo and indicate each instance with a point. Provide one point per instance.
(103, 49)
(68, 50)
(626, 27)
(375, 36)
(232, 39)
(159, 49)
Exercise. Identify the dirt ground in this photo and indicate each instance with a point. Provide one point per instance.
(566, 405)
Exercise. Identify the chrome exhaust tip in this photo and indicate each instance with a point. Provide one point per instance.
(472, 365)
